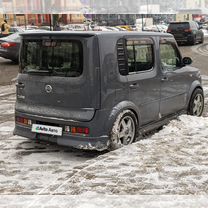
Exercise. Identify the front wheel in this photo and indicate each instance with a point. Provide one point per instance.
(196, 105)
(124, 130)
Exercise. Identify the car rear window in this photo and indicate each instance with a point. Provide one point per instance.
(178, 26)
(52, 57)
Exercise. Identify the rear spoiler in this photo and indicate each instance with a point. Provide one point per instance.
(49, 35)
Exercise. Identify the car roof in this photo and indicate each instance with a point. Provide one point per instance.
(96, 33)
(180, 22)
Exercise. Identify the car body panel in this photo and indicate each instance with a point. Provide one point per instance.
(12, 52)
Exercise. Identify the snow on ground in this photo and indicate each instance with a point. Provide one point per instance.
(105, 201)
(6, 90)
(172, 161)
(29, 167)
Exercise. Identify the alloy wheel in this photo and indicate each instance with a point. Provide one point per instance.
(126, 130)
(198, 105)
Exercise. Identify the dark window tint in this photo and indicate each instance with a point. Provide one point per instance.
(52, 57)
(179, 26)
(140, 55)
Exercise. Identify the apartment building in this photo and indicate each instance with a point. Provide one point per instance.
(195, 4)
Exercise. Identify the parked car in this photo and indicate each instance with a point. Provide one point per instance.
(100, 90)
(186, 32)
(120, 28)
(9, 47)
(112, 28)
(156, 28)
(11, 31)
(47, 28)
(126, 27)
(102, 28)
(15, 29)
(30, 27)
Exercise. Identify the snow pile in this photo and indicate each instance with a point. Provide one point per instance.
(173, 161)
(105, 201)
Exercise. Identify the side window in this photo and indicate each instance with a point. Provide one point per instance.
(140, 56)
(169, 56)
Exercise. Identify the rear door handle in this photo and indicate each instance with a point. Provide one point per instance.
(20, 85)
(134, 86)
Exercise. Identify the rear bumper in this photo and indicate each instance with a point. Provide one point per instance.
(79, 142)
(188, 38)
(97, 139)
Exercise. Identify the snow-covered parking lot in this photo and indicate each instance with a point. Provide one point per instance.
(172, 161)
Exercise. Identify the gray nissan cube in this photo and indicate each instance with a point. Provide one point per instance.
(102, 90)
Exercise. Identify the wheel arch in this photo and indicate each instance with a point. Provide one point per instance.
(120, 107)
(195, 85)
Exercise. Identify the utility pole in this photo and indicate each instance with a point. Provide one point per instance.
(14, 15)
(25, 19)
(15, 20)
(147, 1)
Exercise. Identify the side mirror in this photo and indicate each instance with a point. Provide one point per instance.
(187, 61)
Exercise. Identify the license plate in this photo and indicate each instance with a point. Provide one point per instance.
(43, 129)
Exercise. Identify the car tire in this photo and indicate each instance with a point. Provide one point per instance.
(202, 39)
(124, 130)
(193, 41)
(196, 104)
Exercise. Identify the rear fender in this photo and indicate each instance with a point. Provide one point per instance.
(120, 107)
(195, 84)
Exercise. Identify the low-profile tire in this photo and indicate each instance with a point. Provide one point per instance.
(196, 104)
(124, 130)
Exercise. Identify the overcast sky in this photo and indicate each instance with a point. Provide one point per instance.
(97, 6)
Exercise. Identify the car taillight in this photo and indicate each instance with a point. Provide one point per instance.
(23, 121)
(77, 130)
(188, 30)
(8, 45)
